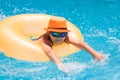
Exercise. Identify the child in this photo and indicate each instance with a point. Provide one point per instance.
(57, 33)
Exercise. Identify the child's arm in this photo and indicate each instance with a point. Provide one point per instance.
(83, 45)
(51, 54)
(46, 45)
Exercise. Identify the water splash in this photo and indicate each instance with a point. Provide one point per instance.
(74, 68)
(93, 63)
(2, 16)
(116, 41)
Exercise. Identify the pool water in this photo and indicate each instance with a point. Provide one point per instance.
(99, 22)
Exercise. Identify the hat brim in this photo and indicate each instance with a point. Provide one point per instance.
(57, 30)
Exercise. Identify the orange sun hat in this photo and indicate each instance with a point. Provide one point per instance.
(57, 24)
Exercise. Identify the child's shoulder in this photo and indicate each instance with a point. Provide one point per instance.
(46, 39)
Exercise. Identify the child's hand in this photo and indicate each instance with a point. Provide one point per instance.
(99, 57)
(60, 67)
(63, 68)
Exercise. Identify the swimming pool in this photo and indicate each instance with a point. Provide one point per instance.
(99, 22)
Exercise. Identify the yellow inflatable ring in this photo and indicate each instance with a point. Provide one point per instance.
(16, 30)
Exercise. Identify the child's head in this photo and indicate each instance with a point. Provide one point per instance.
(57, 28)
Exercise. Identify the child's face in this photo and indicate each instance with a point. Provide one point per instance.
(58, 38)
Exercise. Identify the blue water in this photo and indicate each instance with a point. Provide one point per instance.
(99, 22)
